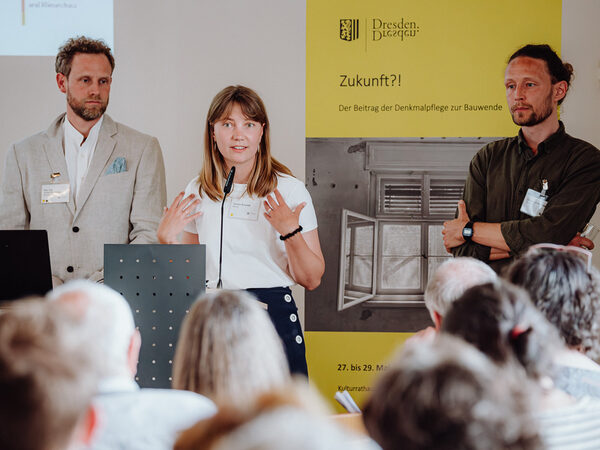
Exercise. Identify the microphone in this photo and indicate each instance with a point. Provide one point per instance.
(226, 191)
(229, 182)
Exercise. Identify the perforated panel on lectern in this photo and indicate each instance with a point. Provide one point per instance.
(160, 282)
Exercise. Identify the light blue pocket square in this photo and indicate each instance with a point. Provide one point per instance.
(119, 165)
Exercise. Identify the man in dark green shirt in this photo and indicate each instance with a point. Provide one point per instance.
(540, 186)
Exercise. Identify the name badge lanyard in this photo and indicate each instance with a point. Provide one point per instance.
(544, 187)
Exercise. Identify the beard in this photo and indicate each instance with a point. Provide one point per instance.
(535, 117)
(86, 112)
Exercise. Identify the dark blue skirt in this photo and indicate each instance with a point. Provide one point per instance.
(284, 315)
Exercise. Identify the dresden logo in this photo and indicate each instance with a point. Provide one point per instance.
(348, 29)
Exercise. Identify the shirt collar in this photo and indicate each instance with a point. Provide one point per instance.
(544, 147)
(73, 135)
(117, 384)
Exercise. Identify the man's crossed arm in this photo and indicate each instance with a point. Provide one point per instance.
(488, 234)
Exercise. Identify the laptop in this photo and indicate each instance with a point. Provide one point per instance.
(24, 264)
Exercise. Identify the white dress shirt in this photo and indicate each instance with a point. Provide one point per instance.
(144, 419)
(78, 153)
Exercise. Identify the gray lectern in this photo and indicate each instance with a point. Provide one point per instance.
(160, 282)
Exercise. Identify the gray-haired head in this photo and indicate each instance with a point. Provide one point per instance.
(568, 295)
(445, 394)
(451, 280)
(105, 320)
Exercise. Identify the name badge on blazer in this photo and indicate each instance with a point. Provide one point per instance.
(55, 193)
(246, 209)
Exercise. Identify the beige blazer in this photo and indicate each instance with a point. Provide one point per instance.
(113, 208)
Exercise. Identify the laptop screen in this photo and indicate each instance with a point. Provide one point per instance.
(24, 264)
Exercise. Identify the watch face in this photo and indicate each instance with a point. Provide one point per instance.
(467, 232)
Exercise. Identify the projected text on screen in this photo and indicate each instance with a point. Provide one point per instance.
(39, 27)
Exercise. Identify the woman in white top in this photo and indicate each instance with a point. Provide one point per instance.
(270, 238)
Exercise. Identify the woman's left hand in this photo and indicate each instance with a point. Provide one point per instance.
(305, 259)
(279, 214)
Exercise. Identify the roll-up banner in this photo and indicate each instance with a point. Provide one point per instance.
(399, 97)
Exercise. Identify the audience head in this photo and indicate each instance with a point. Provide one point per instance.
(46, 380)
(500, 320)
(444, 394)
(80, 44)
(106, 322)
(228, 349)
(563, 289)
(292, 418)
(451, 280)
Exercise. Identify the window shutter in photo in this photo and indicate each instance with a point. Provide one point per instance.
(443, 196)
(403, 197)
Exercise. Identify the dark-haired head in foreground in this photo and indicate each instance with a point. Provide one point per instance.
(500, 320)
(446, 395)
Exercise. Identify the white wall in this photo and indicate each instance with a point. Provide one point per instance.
(581, 47)
(172, 57)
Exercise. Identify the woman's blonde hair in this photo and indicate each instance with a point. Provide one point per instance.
(263, 178)
(228, 350)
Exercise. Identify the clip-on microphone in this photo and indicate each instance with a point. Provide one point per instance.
(226, 191)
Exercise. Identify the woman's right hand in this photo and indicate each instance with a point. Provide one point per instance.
(176, 217)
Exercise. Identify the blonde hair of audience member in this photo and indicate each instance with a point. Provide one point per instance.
(228, 349)
(292, 417)
(46, 380)
(451, 279)
(106, 323)
(444, 394)
(568, 295)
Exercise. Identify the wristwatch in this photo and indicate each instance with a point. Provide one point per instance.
(467, 231)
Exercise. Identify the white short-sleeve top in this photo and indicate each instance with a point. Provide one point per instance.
(253, 254)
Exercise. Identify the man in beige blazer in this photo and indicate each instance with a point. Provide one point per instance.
(87, 179)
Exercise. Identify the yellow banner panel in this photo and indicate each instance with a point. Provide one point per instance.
(431, 68)
(349, 361)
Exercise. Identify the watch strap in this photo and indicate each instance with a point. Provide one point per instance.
(467, 231)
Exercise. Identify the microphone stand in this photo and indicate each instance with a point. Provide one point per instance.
(226, 191)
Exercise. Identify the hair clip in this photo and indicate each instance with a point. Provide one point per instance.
(517, 331)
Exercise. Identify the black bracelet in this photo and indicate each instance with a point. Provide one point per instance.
(289, 235)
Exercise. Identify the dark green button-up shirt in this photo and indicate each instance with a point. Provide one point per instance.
(502, 171)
